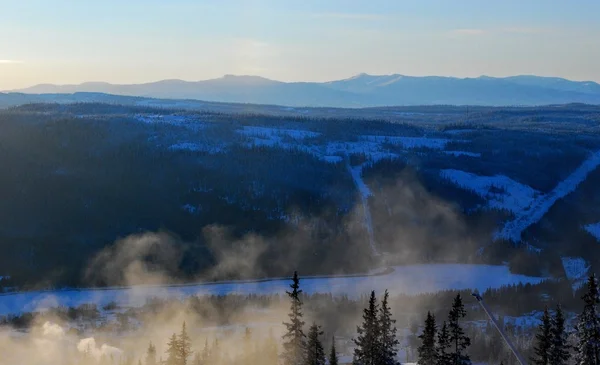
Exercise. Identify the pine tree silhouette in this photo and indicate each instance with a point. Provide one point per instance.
(427, 351)
(315, 354)
(560, 351)
(387, 332)
(588, 327)
(457, 337)
(294, 346)
(367, 341)
(544, 341)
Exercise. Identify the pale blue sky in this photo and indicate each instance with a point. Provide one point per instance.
(132, 41)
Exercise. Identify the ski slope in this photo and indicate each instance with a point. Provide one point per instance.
(413, 279)
(594, 230)
(512, 230)
(364, 192)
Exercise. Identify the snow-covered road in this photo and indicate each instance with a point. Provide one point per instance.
(411, 279)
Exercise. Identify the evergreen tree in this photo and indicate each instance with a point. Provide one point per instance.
(458, 339)
(427, 350)
(294, 346)
(333, 357)
(387, 332)
(315, 354)
(367, 341)
(442, 350)
(173, 351)
(588, 327)
(544, 341)
(151, 355)
(559, 353)
(184, 346)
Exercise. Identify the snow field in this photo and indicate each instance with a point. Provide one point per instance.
(500, 191)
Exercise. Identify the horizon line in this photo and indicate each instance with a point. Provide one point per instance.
(288, 82)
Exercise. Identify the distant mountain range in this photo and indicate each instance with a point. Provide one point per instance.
(362, 90)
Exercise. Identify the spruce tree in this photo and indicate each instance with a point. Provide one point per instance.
(333, 357)
(427, 349)
(184, 346)
(173, 351)
(315, 354)
(588, 327)
(459, 341)
(387, 332)
(294, 346)
(151, 355)
(442, 349)
(559, 353)
(367, 341)
(544, 341)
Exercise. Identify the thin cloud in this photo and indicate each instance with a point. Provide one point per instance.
(10, 61)
(349, 16)
(468, 31)
(526, 30)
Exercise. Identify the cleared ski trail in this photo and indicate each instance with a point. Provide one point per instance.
(512, 230)
(364, 192)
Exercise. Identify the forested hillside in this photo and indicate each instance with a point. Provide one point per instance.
(333, 194)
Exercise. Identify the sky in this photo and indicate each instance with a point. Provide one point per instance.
(136, 41)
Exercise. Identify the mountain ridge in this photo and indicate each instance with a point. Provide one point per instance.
(361, 90)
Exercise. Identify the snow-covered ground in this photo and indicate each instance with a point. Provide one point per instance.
(275, 134)
(412, 279)
(593, 229)
(196, 147)
(410, 142)
(576, 270)
(512, 230)
(499, 191)
(463, 153)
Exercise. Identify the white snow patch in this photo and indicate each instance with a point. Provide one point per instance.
(575, 267)
(410, 142)
(332, 159)
(195, 147)
(576, 270)
(372, 150)
(501, 192)
(593, 229)
(277, 133)
(512, 230)
(413, 279)
(463, 153)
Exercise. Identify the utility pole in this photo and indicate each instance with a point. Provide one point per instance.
(495, 323)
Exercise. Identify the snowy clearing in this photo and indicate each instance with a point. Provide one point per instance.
(196, 147)
(500, 191)
(512, 230)
(463, 153)
(576, 270)
(409, 280)
(594, 230)
(277, 133)
(410, 142)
